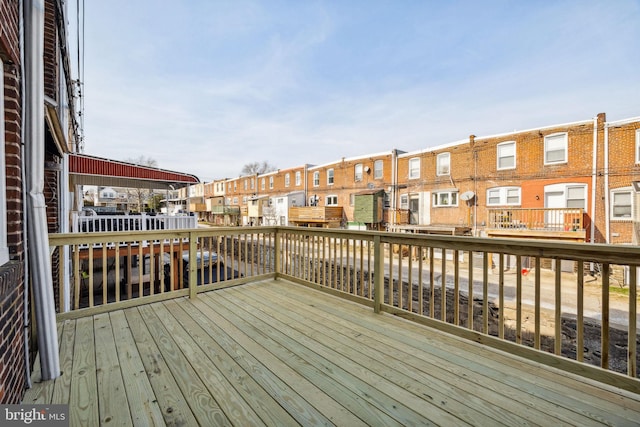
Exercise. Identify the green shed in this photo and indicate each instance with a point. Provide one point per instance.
(368, 206)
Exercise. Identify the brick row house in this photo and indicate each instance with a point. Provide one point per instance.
(576, 181)
(39, 129)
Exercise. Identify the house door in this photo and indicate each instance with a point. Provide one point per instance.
(414, 209)
(554, 199)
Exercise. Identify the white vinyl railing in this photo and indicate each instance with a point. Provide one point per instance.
(142, 222)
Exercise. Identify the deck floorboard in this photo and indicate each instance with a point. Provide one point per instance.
(278, 353)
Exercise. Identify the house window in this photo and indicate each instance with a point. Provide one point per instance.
(575, 197)
(404, 201)
(506, 155)
(4, 248)
(253, 183)
(331, 200)
(377, 169)
(271, 182)
(235, 185)
(316, 179)
(262, 183)
(298, 178)
(287, 180)
(235, 200)
(352, 199)
(445, 198)
(621, 206)
(358, 172)
(443, 164)
(555, 149)
(330, 177)
(387, 199)
(246, 184)
(638, 146)
(501, 196)
(414, 168)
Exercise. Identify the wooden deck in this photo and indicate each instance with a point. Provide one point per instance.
(277, 353)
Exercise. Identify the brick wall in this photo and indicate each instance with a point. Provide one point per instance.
(12, 360)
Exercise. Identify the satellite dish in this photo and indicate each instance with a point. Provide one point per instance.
(467, 195)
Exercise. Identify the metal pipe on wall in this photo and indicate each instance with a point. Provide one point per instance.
(37, 240)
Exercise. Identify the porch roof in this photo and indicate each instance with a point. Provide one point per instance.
(91, 170)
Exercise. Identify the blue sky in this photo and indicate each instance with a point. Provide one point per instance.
(205, 87)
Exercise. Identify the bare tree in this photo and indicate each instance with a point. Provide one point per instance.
(141, 194)
(257, 168)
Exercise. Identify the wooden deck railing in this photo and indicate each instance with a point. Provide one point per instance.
(549, 219)
(522, 296)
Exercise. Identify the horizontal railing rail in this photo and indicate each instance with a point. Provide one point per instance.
(536, 298)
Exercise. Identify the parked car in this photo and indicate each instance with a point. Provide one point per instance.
(207, 269)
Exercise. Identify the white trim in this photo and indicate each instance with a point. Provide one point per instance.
(351, 159)
(515, 132)
(631, 193)
(503, 144)
(4, 248)
(375, 169)
(410, 168)
(623, 121)
(637, 146)
(333, 176)
(439, 158)
(565, 147)
(316, 174)
(503, 193)
(436, 199)
(326, 200)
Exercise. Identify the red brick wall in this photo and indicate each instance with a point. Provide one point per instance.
(12, 360)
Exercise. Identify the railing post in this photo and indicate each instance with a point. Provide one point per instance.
(276, 250)
(378, 274)
(193, 264)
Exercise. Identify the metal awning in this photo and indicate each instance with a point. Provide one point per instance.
(91, 170)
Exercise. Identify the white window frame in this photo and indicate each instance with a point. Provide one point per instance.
(378, 168)
(4, 245)
(330, 178)
(452, 194)
(564, 138)
(287, 179)
(262, 184)
(316, 179)
(502, 193)
(298, 178)
(637, 145)
(618, 191)
(331, 200)
(246, 184)
(501, 147)
(271, 183)
(357, 172)
(441, 170)
(414, 168)
(404, 201)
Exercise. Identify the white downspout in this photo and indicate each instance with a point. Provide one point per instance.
(394, 185)
(594, 172)
(37, 234)
(607, 225)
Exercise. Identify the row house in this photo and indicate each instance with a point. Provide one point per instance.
(335, 187)
(576, 181)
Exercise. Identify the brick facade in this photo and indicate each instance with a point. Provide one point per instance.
(12, 286)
